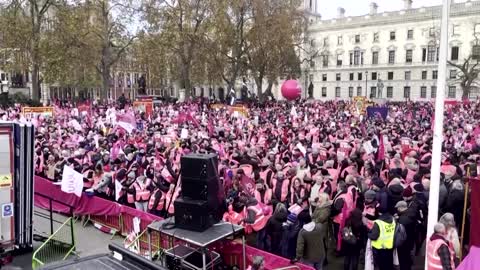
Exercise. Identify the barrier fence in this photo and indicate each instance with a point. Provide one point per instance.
(57, 247)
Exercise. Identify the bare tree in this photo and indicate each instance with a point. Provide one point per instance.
(468, 75)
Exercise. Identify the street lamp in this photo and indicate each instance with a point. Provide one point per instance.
(366, 84)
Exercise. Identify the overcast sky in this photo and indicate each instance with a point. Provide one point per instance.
(328, 9)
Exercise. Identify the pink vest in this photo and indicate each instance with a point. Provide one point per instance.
(260, 219)
(433, 260)
(285, 185)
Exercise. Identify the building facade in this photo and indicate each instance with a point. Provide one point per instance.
(392, 55)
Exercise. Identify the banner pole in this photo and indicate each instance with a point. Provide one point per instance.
(438, 128)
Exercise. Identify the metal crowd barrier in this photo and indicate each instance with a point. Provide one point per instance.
(57, 247)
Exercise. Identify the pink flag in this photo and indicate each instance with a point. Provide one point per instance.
(248, 185)
(381, 149)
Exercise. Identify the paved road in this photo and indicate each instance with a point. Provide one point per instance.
(89, 240)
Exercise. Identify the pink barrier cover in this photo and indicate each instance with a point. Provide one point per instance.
(84, 205)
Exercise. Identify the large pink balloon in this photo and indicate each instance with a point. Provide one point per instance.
(291, 90)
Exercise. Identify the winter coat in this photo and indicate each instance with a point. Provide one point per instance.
(394, 195)
(409, 224)
(322, 213)
(274, 230)
(382, 199)
(311, 242)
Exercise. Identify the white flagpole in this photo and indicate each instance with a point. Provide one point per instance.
(438, 128)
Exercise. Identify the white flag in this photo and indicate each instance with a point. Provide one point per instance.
(118, 189)
(127, 126)
(72, 181)
(293, 112)
(184, 133)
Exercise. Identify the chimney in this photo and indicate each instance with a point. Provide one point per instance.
(407, 4)
(340, 13)
(373, 8)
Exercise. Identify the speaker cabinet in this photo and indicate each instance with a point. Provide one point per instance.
(199, 166)
(193, 215)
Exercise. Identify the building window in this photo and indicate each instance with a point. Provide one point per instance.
(339, 60)
(434, 74)
(410, 34)
(476, 52)
(324, 92)
(424, 54)
(423, 92)
(431, 53)
(351, 58)
(424, 74)
(454, 55)
(357, 55)
(455, 29)
(433, 93)
(391, 57)
(359, 91)
(374, 58)
(340, 40)
(338, 77)
(337, 92)
(374, 76)
(390, 75)
(357, 38)
(373, 92)
(453, 74)
(389, 92)
(352, 76)
(452, 91)
(324, 77)
(325, 60)
(408, 75)
(409, 56)
(312, 63)
(392, 35)
(406, 92)
(350, 91)
(3, 77)
(376, 37)
(360, 77)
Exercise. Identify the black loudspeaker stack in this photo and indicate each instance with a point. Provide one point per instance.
(201, 203)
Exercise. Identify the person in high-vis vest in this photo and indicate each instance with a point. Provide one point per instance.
(382, 237)
(440, 254)
(141, 190)
(255, 220)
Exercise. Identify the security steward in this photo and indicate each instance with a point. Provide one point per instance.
(382, 238)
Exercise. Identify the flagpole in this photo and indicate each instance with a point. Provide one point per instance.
(438, 124)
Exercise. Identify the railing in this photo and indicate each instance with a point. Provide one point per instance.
(57, 247)
(288, 268)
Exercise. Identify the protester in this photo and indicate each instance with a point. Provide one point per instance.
(310, 244)
(382, 236)
(439, 253)
(324, 157)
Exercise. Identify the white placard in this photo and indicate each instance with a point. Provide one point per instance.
(72, 181)
(301, 148)
(118, 189)
(7, 210)
(136, 224)
(368, 147)
(184, 133)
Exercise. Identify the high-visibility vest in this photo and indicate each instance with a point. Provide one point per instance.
(349, 203)
(433, 260)
(267, 196)
(410, 175)
(142, 194)
(260, 218)
(369, 210)
(387, 233)
(284, 188)
(161, 201)
(264, 176)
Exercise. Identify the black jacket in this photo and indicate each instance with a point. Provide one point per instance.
(394, 195)
(274, 230)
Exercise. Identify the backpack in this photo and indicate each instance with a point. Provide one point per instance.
(400, 235)
(348, 236)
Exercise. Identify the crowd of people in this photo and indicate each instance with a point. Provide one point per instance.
(305, 177)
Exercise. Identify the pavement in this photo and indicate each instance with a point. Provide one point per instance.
(91, 241)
